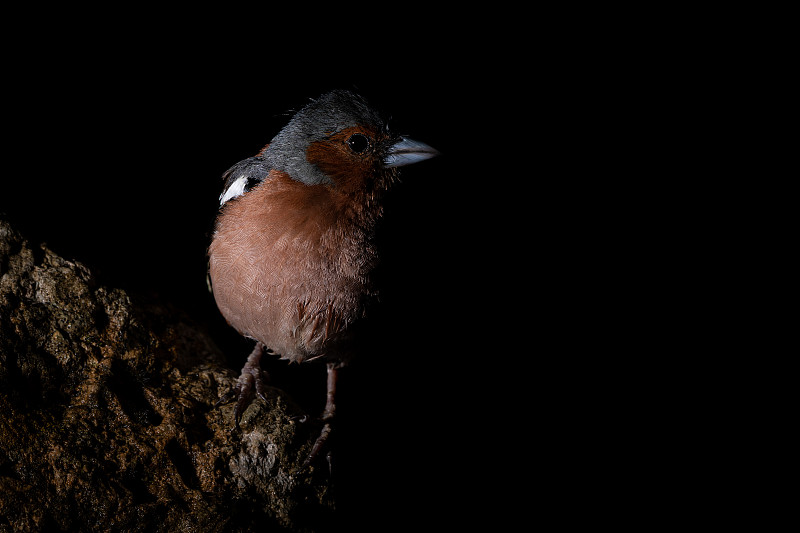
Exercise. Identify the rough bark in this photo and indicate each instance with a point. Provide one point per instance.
(106, 419)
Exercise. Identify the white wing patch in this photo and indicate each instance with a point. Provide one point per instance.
(236, 189)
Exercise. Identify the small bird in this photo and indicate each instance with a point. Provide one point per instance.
(293, 247)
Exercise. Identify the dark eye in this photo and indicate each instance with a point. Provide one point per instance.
(358, 143)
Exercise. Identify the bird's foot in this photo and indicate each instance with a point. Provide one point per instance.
(318, 446)
(327, 418)
(243, 392)
(251, 384)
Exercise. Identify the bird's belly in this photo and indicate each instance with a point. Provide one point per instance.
(297, 307)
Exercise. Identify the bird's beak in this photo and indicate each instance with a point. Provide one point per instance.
(407, 151)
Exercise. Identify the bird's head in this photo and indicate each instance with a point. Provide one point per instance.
(340, 141)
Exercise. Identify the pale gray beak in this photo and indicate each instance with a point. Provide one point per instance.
(408, 151)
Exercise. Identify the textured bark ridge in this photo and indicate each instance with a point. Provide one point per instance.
(106, 420)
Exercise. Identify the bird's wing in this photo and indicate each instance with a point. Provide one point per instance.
(242, 177)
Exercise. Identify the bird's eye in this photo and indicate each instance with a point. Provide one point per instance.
(358, 143)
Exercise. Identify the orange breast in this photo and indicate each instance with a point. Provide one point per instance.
(290, 266)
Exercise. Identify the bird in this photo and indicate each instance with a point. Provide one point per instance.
(293, 250)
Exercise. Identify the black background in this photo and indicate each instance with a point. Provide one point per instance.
(515, 270)
(536, 276)
(115, 160)
(495, 382)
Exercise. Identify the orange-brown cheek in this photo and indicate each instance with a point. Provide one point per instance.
(327, 158)
(334, 159)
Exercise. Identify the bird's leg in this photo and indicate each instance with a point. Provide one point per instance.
(250, 378)
(327, 415)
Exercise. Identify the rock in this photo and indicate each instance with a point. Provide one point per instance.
(106, 419)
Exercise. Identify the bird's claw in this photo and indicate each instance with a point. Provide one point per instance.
(318, 445)
(243, 392)
(300, 419)
(251, 384)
